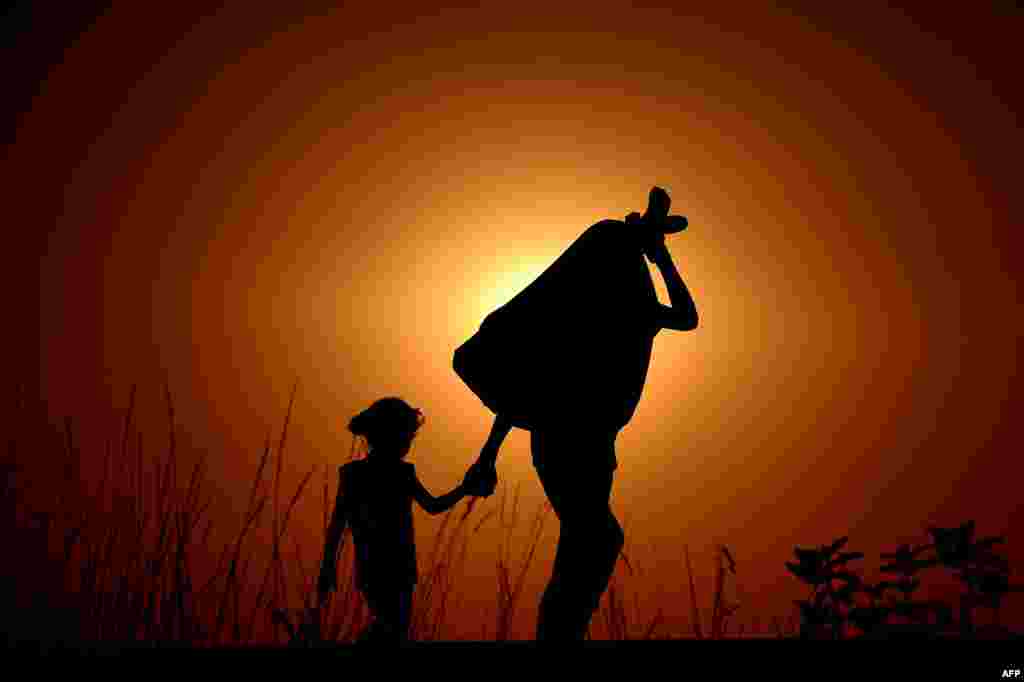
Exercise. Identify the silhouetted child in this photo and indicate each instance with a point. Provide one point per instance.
(375, 497)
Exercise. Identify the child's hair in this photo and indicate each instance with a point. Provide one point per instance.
(385, 420)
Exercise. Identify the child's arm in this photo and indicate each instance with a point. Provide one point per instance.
(328, 567)
(436, 505)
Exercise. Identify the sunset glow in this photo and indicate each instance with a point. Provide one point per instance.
(237, 202)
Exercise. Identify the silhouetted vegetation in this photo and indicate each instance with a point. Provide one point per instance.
(842, 604)
(133, 559)
(119, 561)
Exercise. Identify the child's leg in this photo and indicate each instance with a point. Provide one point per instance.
(391, 609)
(403, 612)
(377, 602)
(367, 633)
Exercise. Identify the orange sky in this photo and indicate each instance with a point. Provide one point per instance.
(245, 199)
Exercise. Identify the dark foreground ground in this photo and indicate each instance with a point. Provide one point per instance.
(748, 658)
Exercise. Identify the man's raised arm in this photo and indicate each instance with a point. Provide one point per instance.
(682, 316)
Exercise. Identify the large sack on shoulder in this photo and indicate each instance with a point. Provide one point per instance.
(575, 343)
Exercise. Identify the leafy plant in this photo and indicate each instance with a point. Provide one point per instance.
(826, 610)
(888, 607)
(984, 573)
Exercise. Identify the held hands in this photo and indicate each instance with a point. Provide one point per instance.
(482, 477)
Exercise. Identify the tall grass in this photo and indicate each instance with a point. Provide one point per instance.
(122, 559)
(511, 579)
(136, 557)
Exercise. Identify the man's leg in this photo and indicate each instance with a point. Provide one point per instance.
(590, 537)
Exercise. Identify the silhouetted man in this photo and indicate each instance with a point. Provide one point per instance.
(567, 359)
